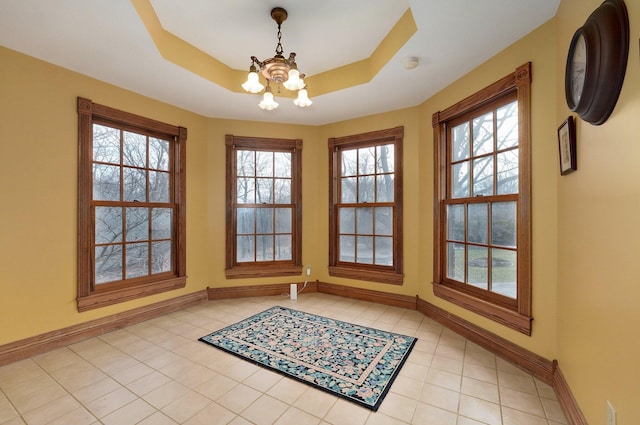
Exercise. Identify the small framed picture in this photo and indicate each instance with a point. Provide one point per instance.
(567, 146)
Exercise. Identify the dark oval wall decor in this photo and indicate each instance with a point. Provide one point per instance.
(597, 62)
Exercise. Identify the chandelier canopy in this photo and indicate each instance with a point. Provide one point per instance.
(278, 70)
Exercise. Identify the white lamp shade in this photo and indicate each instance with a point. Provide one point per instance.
(252, 85)
(302, 100)
(267, 102)
(294, 82)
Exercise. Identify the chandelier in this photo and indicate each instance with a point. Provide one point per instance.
(277, 70)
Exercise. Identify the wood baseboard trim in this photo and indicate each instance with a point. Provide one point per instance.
(565, 398)
(228, 292)
(379, 297)
(538, 366)
(48, 341)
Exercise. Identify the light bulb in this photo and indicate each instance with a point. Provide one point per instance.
(268, 103)
(252, 85)
(302, 100)
(293, 82)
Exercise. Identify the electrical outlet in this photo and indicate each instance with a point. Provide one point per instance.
(308, 270)
(611, 414)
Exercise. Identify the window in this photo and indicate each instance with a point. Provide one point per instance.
(482, 257)
(264, 207)
(365, 195)
(131, 206)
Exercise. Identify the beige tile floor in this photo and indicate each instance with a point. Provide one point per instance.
(157, 373)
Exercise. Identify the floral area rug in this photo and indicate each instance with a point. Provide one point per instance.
(351, 361)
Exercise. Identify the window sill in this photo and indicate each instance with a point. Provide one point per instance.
(504, 316)
(368, 275)
(264, 271)
(99, 299)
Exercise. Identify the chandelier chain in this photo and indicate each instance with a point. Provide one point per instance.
(279, 49)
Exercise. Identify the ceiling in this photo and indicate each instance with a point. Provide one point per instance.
(108, 40)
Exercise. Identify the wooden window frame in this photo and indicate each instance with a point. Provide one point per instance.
(518, 315)
(368, 272)
(233, 269)
(90, 295)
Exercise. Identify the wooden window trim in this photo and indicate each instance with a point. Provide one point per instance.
(90, 297)
(518, 317)
(392, 275)
(292, 267)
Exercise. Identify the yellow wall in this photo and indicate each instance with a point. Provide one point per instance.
(599, 241)
(38, 183)
(534, 48)
(315, 194)
(409, 118)
(312, 158)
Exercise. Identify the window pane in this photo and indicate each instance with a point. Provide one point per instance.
(264, 164)
(460, 145)
(264, 191)
(347, 220)
(455, 261)
(483, 134)
(385, 159)
(108, 225)
(282, 162)
(478, 267)
(508, 172)
(348, 188)
(507, 124)
(348, 248)
(245, 221)
(460, 180)
(365, 189)
(478, 224)
(108, 263)
(366, 160)
(483, 176)
(364, 221)
(283, 220)
(504, 272)
(135, 185)
(245, 163)
(106, 144)
(158, 154)
(282, 191)
(283, 247)
(161, 223)
(134, 149)
(503, 224)
(161, 257)
(384, 221)
(384, 188)
(264, 220)
(364, 252)
(349, 165)
(264, 248)
(137, 224)
(106, 182)
(158, 186)
(384, 251)
(245, 249)
(137, 260)
(455, 223)
(246, 190)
